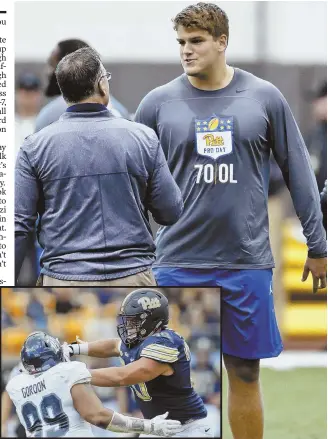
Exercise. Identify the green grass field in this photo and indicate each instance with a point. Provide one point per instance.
(295, 404)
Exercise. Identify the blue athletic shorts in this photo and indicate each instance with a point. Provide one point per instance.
(249, 325)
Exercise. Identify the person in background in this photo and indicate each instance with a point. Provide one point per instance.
(35, 311)
(207, 381)
(65, 300)
(6, 320)
(323, 201)
(28, 100)
(317, 139)
(317, 145)
(28, 97)
(57, 106)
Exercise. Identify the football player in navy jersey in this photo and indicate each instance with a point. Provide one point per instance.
(156, 362)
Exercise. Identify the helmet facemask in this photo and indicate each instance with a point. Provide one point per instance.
(143, 312)
(132, 329)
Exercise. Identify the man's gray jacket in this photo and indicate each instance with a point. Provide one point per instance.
(88, 180)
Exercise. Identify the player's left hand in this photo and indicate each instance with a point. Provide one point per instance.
(162, 427)
(318, 269)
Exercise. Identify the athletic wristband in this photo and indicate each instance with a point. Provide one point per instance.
(125, 424)
(80, 349)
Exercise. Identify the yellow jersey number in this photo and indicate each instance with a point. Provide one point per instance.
(141, 391)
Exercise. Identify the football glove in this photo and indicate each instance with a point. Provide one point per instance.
(162, 427)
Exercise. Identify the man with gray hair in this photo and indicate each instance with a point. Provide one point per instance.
(89, 180)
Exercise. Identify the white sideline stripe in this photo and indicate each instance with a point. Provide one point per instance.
(295, 359)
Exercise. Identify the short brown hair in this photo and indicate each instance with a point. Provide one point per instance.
(205, 16)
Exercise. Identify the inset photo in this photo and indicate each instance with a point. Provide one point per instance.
(111, 362)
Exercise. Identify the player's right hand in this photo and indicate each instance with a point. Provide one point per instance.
(318, 269)
(162, 427)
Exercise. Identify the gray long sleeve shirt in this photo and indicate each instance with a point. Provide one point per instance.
(218, 144)
(91, 178)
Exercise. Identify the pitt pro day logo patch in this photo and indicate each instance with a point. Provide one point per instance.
(214, 136)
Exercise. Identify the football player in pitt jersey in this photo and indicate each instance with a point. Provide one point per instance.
(157, 363)
(53, 396)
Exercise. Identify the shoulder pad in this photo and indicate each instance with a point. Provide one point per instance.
(159, 348)
(74, 372)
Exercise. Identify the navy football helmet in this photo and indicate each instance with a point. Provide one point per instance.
(142, 313)
(40, 352)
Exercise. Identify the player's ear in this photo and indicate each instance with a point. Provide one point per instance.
(222, 43)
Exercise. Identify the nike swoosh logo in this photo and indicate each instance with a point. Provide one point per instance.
(239, 90)
(206, 430)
